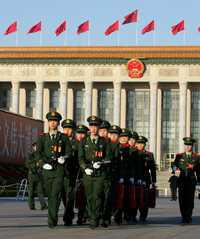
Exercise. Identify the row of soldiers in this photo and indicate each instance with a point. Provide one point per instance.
(95, 165)
(105, 169)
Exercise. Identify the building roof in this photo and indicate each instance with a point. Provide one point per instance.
(122, 52)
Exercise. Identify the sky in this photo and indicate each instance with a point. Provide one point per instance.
(101, 14)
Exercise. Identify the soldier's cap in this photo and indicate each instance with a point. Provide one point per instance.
(189, 140)
(125, 132)
(34, 144)
(104, 124)
(68, 123)
(53, 115)
(142, 140)
(82, 129)
(94, 120)
(134, 135)
(114, 129)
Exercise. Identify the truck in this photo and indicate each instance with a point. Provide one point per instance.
(17, 134)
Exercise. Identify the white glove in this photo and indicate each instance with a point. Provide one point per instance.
(198, 188)
(88, 171)
(47, 166)
(131, 180)
(96, 165)
(139, 182)
(61, 160)
(121, 180)
(154, 185)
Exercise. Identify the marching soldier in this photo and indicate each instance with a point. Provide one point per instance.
(123, 163)
(35, 179)
(133, 140)
(103, 129)
(189, 165)
(145, 176)
(54, 149)
(70, 170)
(81, 133)
(95, 163)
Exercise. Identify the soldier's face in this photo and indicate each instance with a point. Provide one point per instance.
(93, 129)
(80, 136)
(140, 146)
(123, 139)
(132, 142)
(34, 148)
(114, 137)
(53, 124)
(188, 148)
(103, 133)
(68, 131)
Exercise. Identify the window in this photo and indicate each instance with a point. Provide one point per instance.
(30, 102)
(79, 106)
(54, 99)
(105, 104)
(170, 125)
(138, 110)
(5, 98)
(195, 117)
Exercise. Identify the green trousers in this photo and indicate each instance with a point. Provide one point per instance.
(53, 186)
(95, 195)
(35, 186)
(68, 197)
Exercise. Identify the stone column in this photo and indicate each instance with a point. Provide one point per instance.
(63, 99)
(88, 99)
(153, 116)
(182, 113)
(188, 112)
(15, 96)
(117, 102)
(39, 100)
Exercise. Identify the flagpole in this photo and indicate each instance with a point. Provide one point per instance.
(136, 34)
(65, 39)
(118, 38)
(41, 37)
(88, 38)
(16, 35)
(154, 37)
(184, 38)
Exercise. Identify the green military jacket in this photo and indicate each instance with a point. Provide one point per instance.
(49, 150)
(189, 166)
(34, 165)
(90, 152)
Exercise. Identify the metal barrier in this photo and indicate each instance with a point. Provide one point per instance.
(22, 192)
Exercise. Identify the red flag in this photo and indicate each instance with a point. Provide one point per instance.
(36, 28)
(178, 27)
(112, 28)
(149, 27)
(12, 28)
(84, 27)
(61, 28)
(198, 29)
(132, 17)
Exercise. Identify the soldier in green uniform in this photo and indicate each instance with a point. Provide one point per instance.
(35, 179)
(145, 174)
(189, 165)
(103, 129)
(122, 173)
(133, 140)
(71, 170)
(95, 163)
(54, 149)
(81, 133)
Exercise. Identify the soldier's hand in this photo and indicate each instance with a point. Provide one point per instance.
(121, 180)
(131, 180)
(47, 166)
(88, 171)
(96, 165)
(61, 160)
(154, 185)
(198, 187)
